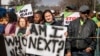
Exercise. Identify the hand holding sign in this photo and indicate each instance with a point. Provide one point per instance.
(46, 41)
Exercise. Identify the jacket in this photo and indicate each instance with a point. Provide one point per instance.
(81, 37)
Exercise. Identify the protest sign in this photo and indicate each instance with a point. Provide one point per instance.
(70, 16)
(15, 46)
(24, 10)
(46, 40)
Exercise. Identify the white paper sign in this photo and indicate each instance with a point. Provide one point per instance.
(15, 46)
(71, 17)
(46, 40)
(24, 10)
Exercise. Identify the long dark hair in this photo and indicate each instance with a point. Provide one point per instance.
(46, 12)
(12, 17)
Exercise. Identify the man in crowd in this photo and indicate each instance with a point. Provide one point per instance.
(81, 32)
(97, 21)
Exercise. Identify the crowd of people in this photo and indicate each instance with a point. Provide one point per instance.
(80, 37)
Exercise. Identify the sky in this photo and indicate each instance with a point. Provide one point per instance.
(50, 2)
(99, 1)
(44, 2)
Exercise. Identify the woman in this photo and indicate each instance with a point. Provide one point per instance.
(11, 25)
(22, 31)
(37, 17)
(49, 18)
(22, 27)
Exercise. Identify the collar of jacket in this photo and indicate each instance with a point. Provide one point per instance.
(84, 21)
(50, 23)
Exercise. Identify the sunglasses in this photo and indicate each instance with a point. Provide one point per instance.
(83, 12)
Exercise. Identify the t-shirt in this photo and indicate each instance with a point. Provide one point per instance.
(21, 31)
(81, 22)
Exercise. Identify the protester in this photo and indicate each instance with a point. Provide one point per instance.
(37, 17)
(22, 28)
(22, 31)
(97, 20)
(81, 32)
(3, 21)
(49, 18)
(11, 26)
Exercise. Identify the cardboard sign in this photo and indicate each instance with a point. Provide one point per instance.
(46, 40)
(24, 10)
(15, 46)
(70, 17)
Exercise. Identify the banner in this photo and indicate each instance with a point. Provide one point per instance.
(24, 10)
(70, 16)
(46, 40)
(15, 46)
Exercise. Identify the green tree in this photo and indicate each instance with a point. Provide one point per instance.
(78, 3)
